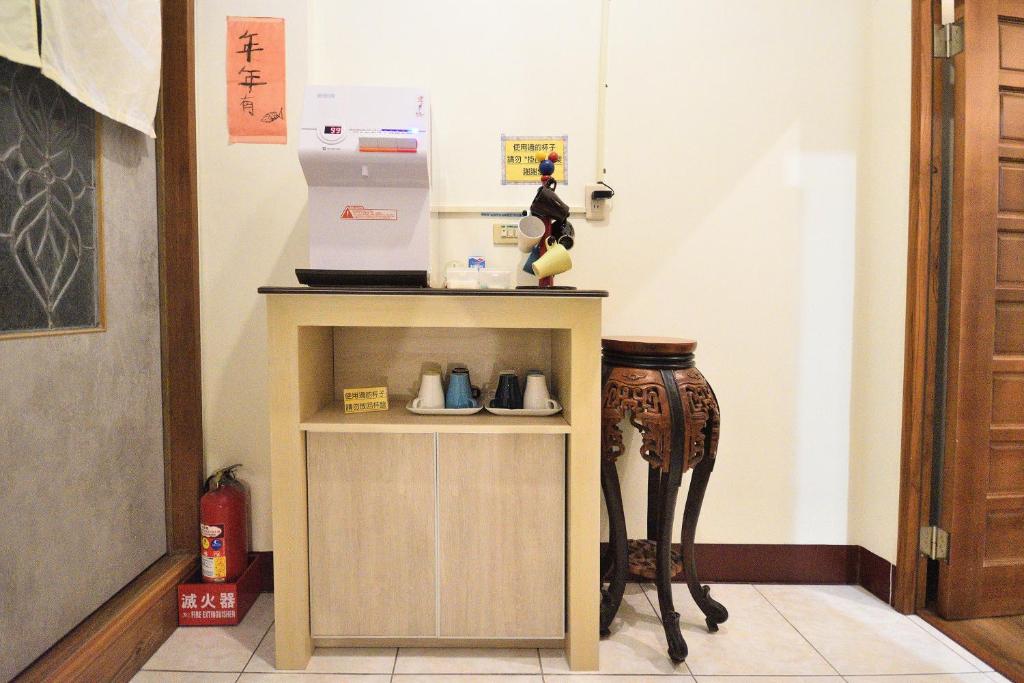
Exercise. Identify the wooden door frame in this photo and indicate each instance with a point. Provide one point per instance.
(918, 384)
(116, 640)
(179, 278)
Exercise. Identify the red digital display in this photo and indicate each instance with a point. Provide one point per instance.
(333, 130)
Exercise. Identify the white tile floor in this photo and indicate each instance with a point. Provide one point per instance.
(775, 634)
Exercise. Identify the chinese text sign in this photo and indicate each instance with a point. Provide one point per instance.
(256, 80)
(520, 163)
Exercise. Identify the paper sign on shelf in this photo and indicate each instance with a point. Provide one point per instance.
(520, 166)
(365, 399)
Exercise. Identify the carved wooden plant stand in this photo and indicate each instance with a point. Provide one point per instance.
(653, 381)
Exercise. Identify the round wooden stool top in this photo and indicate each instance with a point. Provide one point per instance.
(649, 346)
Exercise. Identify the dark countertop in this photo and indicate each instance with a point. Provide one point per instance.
(424, 291)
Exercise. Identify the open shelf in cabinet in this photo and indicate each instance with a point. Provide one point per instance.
(395, 357)
(398, 420)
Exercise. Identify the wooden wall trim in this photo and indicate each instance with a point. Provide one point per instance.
(918, 390)
(115, 641)
(769, 563)
(266, 560)
(785, 563)
(875, 575)
(179, 278)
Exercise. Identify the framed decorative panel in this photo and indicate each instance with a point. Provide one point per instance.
(51, 237)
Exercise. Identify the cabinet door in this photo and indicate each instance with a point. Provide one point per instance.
(371, 534)
(501, 513)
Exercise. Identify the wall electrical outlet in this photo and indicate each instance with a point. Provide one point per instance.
(505, 233)
(596, 208)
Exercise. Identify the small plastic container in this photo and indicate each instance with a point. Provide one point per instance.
(494, 279)
(461, 278)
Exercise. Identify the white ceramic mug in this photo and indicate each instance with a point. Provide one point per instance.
(536, 396)
(529, 233)
(431, 392)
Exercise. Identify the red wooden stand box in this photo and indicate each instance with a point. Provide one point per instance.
(219, 604)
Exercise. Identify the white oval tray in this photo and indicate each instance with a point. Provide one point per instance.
(443, 411)
(523, 412)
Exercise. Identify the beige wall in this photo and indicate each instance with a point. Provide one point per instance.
(737, 232)
(759, 199)
(252, 230)
(881, 275)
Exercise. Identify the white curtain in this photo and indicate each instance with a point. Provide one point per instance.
(105, 53)
(18, 41)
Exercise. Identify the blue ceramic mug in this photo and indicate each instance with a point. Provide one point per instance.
(460, 394)
(534, 255)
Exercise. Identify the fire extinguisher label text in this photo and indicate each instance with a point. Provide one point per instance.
(211, 530)
(213, 556)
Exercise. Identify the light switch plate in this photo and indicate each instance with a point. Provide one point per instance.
(505, 233)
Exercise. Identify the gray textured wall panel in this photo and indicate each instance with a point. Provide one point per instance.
(81, 440)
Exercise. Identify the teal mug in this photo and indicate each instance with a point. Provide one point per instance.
(460, 394)
(531, 259)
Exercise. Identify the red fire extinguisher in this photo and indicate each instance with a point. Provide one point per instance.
(223, 527)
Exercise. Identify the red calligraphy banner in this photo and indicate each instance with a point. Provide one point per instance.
(256, 80)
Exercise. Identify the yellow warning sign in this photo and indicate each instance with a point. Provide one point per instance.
(521, 158)
(365, 399)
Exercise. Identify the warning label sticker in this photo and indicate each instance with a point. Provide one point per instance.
(357, 212)
(213, 555)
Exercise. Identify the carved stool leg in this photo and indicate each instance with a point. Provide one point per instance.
(617, 545)
(714, 612)
(653, 484)
(669, 617)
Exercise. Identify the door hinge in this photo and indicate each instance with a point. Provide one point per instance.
(934, 543)
(947, 39)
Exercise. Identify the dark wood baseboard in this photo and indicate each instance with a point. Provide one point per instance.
(875, 574)
(771, 563)
(764, 563)
(266, 559)
(995, 640)
(117, 639)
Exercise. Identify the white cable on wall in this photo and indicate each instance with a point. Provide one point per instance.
(602, 90)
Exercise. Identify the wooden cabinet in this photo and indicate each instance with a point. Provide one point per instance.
(397, 529)
(371, 534)
(493, 507)
(501, 518)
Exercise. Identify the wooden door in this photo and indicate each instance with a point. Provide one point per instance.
(371, 534)
(983, 472)
(501, 513)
